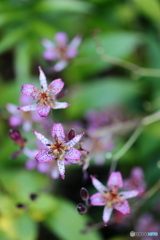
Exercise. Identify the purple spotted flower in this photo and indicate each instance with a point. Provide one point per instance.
(60, 50)
(46, 99)
(59, 150)
(18, 118)
(110, 197)
(49, 168)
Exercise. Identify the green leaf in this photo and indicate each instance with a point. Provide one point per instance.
(11, 38)
(43, 206)
(67, 224)
(21, 183)
(119, 45)
(150, 8)
(100, 93)
(22, 61)
(63, 5)
(3, 236)
(26, 228)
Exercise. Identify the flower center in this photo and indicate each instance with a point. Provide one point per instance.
(45, 99)
(58, 149)
(111, 197)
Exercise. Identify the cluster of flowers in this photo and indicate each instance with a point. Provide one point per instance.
(52, 156)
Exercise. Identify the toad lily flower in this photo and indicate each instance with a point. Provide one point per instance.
(59, 150)
(45, 99)
(110, 198)
(60, 50)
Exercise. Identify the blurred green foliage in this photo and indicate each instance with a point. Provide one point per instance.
(127, 30)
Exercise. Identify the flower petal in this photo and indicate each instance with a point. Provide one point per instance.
(25, 100)
(122, 207)
(43, 167)
(75, 140)
(12, 108)
(54, 173)
(43, 110)
(40, 137)
(47, 43)
(44, 156)
(57, 130)
(27, 125)
(73, 154)
(97, 184)
(97, 200)
(59, 66)
(15, 121)
(61, 168)
(31, 164)
(50, 54)
(56, 86)
(71, 53)
(61, 38)
(42, 79)
(115, 180)
(106, 214)
(28, 89)
(129, 194)
(28, 108)
(59, 105)
(75, 42)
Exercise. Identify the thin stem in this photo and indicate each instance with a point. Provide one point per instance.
(145, 121)
(125, 148)
(146, 196)
(149, 72)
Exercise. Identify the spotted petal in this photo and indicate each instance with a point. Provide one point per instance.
(73, 154)
(115, 180)
(122, 207)
(44, 156)
(28, 89)
(59, 105)
(28, 108)
(75, 140)
(42, 79)
(40, 137)
(57, 130)
(56, 86)
(61, 168)
(97, 184)
(43, 110)
(97, 200)
(106, 214)
(129, 194)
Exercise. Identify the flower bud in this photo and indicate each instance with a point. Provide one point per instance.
(14, 135)
(20, 205)
(71, 134)
(61, 94)
(84, 194)
(81, 208)
(33, 196)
